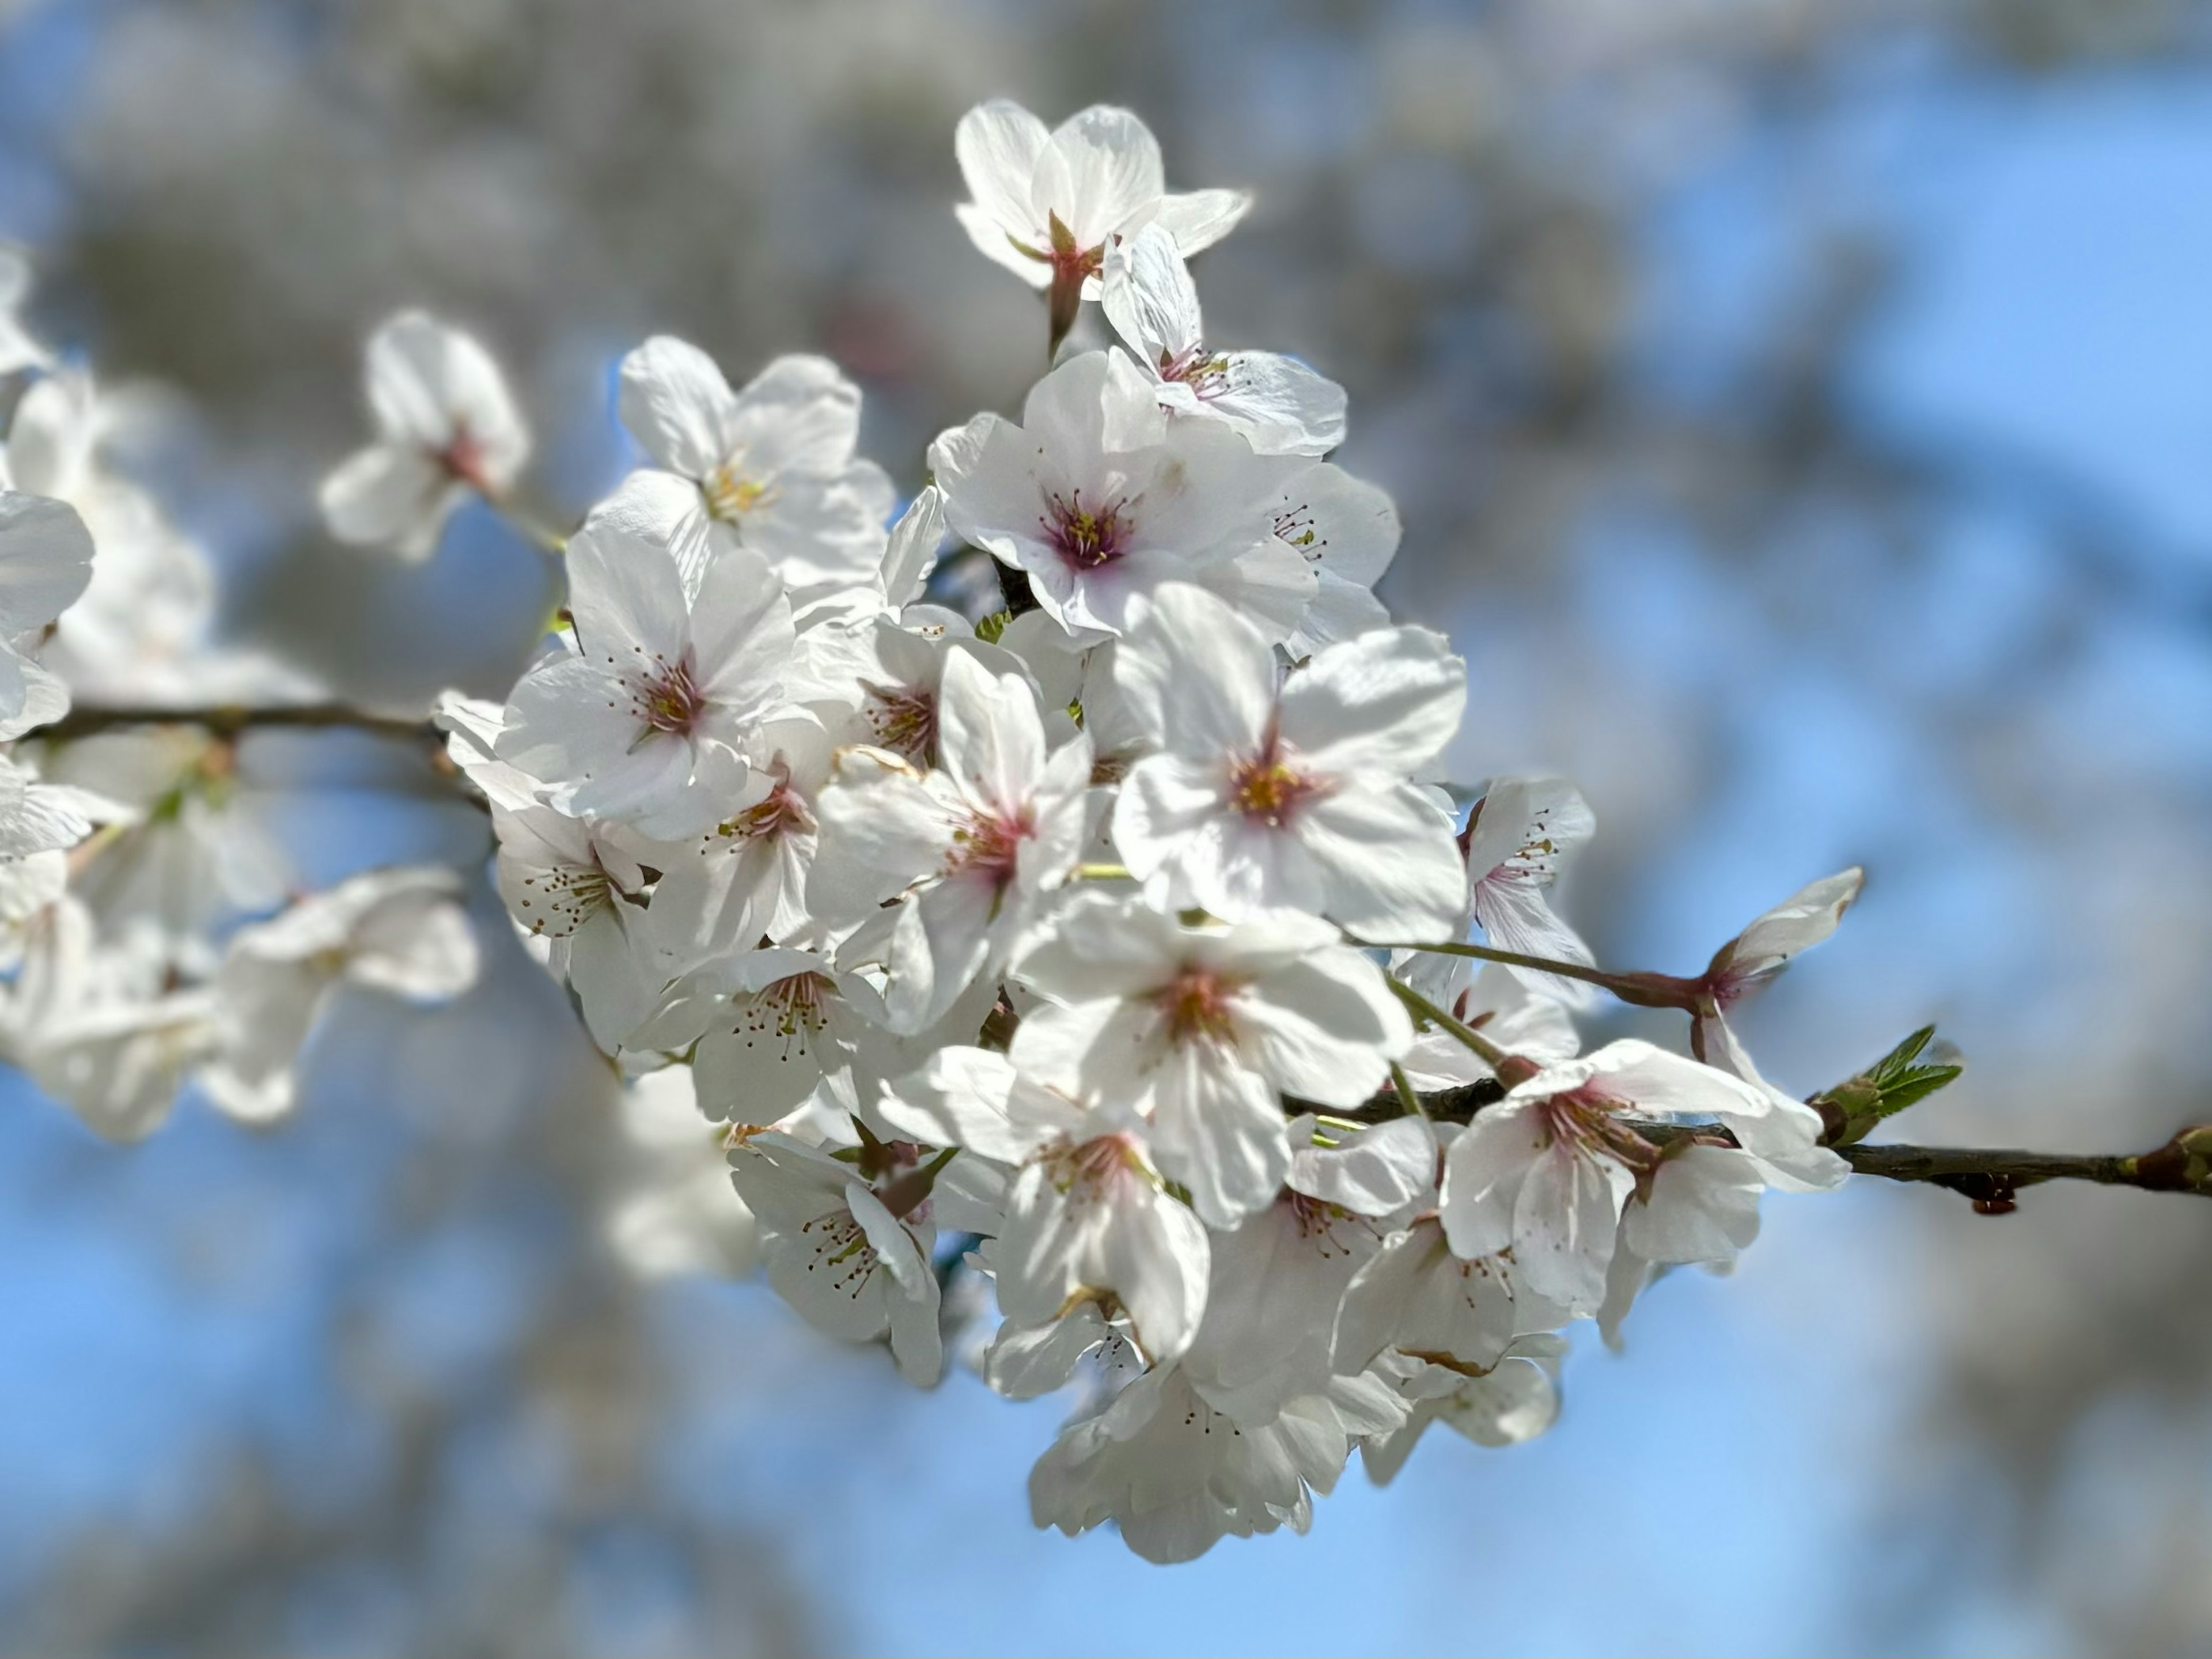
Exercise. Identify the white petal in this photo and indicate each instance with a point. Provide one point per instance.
(1566, 1220)
(1387, 701)
(45, 561)
(998, 143)
(1199, 218)
(1197, 676)
(1100, 172)
(1149, 299)
(676, 403)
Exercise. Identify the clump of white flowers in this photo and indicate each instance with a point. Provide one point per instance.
(1042, 946)
(1116, 945)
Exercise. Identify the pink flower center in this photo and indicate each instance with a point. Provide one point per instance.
(1083, 537)
(903, 719)
(1198, 1005)
(782, 811)
(1584, 1120)
(464, 458)
(667, 698)
(1205, 372)
(1084, 1170)
(1268, 789)
(989, 845)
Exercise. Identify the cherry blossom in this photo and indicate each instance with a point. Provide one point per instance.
(576, 886)
(1099, 499)
(403, 933)
(969, 849)
(1201, 1029)
(1545, 1172)
(1176, 1475)
(447, 426)
(45, 562)
(1046, 203)
(1089, 1222)
(771, 467)
(1272, 793)
(1346, 531)
(648, 718)
(1523, 832)
(851, 1266)
(1279, 404)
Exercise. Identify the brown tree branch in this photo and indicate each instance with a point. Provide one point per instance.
(228, 720)
(1991, 1176)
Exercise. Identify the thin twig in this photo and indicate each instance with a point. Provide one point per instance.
(1645, 990)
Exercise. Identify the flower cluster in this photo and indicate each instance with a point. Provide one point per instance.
(1101, 945)
(154, 928)
(1116, 945)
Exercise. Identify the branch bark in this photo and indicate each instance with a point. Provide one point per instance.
(228, 720)
(1990, 1176)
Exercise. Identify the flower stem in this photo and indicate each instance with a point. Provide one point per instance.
(527, 525)
(1406, 1097)
(1488, 1052)
(1645, 990)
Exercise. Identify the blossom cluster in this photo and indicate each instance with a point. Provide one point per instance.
(154, 928)
(1114, 946)
(1088, 946)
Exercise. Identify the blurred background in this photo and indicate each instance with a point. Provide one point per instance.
(1802, 416)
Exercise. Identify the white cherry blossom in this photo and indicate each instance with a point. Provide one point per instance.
(1088, 1221)
(771, 467)
(1100, 500)
(1266, 793)
(848, 1264)
(745, 877)
(403, 933)
(1546, 1171)
(764, 1028)
(969, 849)
(1201, 1029)
(89, 1023)
(580, 888)
(1048, 203)
(1279, 404)
(1788, 1143)
(1177, 1476)
(1346, 531)
(201, 845)
(1523, 832)
(1514, 1400)
(1280, 1277)
(648, 718)
(446, 425)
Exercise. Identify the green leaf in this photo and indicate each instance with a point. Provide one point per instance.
(993, 625)
(1915, 1085)
(1885, 1088)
